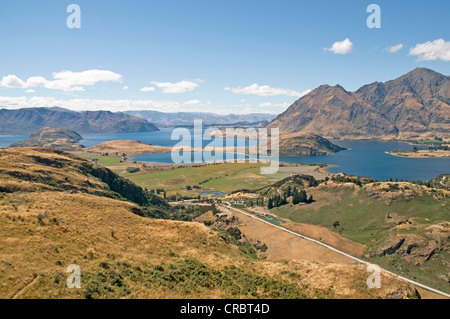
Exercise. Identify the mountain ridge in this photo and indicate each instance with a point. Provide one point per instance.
(29, 120)
(411, 106)
(187, 118)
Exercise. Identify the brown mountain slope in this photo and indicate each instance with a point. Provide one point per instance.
(411, 106)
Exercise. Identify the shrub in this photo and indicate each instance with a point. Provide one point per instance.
(133, 169)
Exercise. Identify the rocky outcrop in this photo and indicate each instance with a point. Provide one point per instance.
(390, 192)
(416, 249)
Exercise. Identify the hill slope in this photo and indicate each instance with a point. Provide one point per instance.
(304, 144)
(414, 105)
(61, 139)
(26, 121)
(41, 169)
(44, 228)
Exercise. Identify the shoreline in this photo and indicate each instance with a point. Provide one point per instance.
(415, 155)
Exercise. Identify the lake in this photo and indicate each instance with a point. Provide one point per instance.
(363, 157)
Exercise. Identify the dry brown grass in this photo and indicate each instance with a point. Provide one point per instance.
(86, 230)
(36, 169)
(44, 229)
(128, 147)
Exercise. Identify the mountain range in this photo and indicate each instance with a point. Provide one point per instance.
(415, 105)
(29, 120)
(187, 118)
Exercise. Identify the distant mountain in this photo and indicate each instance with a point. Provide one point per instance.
(29, 120)
(60, 139)
(187, 118)
(414, 105)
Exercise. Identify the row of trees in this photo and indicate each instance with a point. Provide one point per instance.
(297, 198)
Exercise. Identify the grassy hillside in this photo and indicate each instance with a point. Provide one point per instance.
(404, 226)
(38, 169)
(45, 226)
(123, 255)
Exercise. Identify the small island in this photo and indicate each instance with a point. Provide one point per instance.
(437, 147)
(56, 138)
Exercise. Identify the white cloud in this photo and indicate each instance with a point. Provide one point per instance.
(193, 102)
(147, 89)
(438, 49)
(12, 81)
(281, 105)
(88, 104)
(36, 81)
(178, 87)
(78, 104)
(394, 48)
(125, 88)
(65, 81)
(264, 90)
(30, 91)
(341, 47)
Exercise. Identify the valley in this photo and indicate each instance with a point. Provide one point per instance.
(356, 215)
(124, 253)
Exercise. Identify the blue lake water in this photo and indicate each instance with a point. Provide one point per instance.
(363, 158)
(7, 140)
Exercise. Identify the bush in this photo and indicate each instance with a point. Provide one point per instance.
(234, 232)
(133, 169)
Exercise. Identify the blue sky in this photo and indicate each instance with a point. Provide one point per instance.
(224, 56)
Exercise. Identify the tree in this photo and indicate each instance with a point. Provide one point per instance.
(270, 203)
(295, 197)
(303, 196)
(288, 192)
(310, 199)
(336, 224)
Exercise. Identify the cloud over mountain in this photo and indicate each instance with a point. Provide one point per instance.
(438, 49)
(265, 90)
